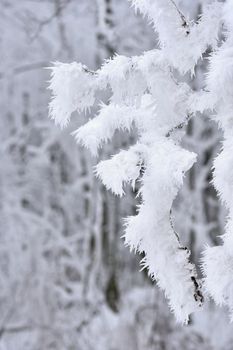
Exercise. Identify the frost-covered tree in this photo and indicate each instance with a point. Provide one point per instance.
(149, 93)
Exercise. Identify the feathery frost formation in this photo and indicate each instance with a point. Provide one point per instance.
(218, 261)
(148, 93)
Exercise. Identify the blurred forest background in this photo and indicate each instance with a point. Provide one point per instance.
(66, 280)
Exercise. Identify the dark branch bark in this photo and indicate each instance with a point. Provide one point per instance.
(198, 296)
(184, 21)
(179, 126)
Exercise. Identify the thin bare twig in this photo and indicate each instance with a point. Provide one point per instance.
(185, 23)
(179, 126)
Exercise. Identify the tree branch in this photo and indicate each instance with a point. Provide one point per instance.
(180, 126)
(185, 23)
(198, 296)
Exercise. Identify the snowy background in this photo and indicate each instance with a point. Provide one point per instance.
(66, 280)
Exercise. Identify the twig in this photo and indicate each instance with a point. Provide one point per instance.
(179, 126)
(198, 296)
(87, 70)
(185, 23)
(172, 226)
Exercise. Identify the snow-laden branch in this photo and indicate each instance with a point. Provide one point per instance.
(149, 95)
(73, 89)
(150, 231)
(101, 129)
(183, 42)
(121, 169)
